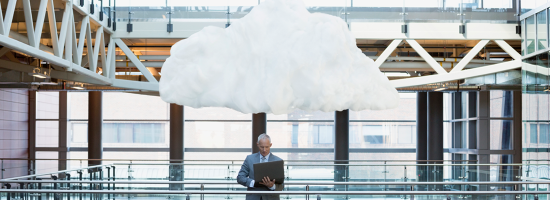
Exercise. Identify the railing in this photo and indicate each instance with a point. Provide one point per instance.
(349, 10)
(96, 190)
(355, 172)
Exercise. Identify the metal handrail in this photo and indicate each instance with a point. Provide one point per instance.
(58, 172)
(387, 165)
(178, 160)
(286, 183)
(233, 192)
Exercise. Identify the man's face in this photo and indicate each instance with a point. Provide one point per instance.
(264, 145)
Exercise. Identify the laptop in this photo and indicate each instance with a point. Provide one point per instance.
(273, 169)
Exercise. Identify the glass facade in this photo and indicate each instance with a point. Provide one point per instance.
(536, 98)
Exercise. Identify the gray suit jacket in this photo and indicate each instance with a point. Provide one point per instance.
(246, 175)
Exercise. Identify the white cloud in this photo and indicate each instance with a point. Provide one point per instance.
(276, 59)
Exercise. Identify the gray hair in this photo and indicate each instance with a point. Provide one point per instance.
(263, 136)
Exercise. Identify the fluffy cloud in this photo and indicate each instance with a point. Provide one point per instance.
(276, 59)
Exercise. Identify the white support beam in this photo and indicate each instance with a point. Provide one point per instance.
(136, 61)
(470, 56)
(55, 60)
(82, 38)
(65, 23)
(150, 86)
(427, 57)
(490, 69)
(53, 27)
(29, 22)
(112, 62)
(387, 52)
(110, 66)
(508, 49)
(97, 46)
(74, 42)
(102, 57)
(40, 21)
(10, 10)
(1, 20)
(69, 43)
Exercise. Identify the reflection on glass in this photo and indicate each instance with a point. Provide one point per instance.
(542, 31)
(501, 103)
(501, 132)
(530, 34)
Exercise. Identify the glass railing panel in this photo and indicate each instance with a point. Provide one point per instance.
(367, 10)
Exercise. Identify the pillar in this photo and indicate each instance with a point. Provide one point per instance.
(341, 146)
(32, 132)
(259, 126)
(62, 134)
(421, 135)
(95, 127)
(176, 145)
(435, 135)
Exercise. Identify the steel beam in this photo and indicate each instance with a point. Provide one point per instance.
(259, 126)
(62, 133)
(32, 132)
(341, 147)
(176, 145)
(435, 135)
(421, 135)
(95, 127)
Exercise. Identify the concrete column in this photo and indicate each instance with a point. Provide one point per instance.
(95, 127)
(435, 134)
(62, 137)
(259, 126)
(483, 136)
(176, 145)
(341, 146)
(32, 132)
(421, 135)
(517, 133)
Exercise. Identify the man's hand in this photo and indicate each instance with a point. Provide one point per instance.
(266, 181)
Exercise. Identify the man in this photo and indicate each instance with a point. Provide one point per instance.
(246, 174)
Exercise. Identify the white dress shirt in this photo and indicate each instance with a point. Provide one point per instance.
(266, 159)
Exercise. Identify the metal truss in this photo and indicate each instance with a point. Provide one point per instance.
(66, 51)
(458, 71)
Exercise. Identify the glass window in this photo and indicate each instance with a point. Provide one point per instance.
(501, 134)
(323, 134)
(501, 103)
(78, 105)
(405, 111)
(533, 134)
(221, 135)
(47, 105)
(121, 133)
(297, 134)
(46, 166)
(128, 106)
(543, 135)
(542, 31)
(406, 134)
(530, 34)
(47, 133)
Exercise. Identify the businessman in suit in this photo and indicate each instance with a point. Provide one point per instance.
(246, 174)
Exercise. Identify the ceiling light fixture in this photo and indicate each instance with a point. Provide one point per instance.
(443, 87)
(37, 72)
(79, 87)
